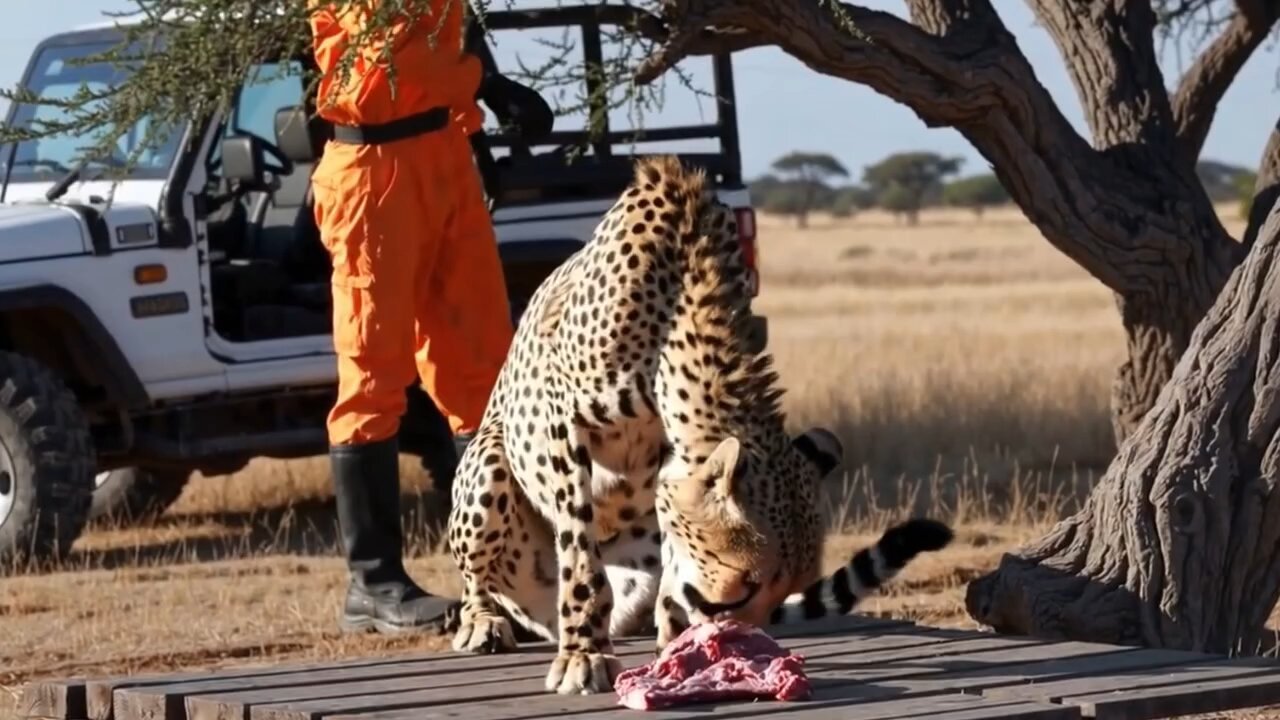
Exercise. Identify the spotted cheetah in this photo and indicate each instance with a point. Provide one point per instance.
(632, 466)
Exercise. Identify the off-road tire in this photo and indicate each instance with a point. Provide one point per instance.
(134, 495)
(46, 436)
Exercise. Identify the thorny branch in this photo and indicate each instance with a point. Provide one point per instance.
(1203, 85)
(184, 59)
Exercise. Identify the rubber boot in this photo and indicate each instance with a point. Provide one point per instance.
(381, 595)
(441, 461)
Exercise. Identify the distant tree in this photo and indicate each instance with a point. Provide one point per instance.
(1221, 180)
(1244, 187)
(977, 193)
(906, 179)
(900, 201)
(809, 171)
(765, 184)
(849, 201)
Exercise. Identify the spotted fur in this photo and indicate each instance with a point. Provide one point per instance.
(632, 469)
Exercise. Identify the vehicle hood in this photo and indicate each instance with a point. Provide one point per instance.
(40, 230)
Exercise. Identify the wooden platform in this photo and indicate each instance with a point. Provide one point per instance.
(861, 669)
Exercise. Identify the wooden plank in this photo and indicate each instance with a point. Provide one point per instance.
(842, 668)
(93, 698)
(1209, 669)
(927, 679)
(936, 709)
(847, 702)
(844, 702)
(1182, 698)
(168, 700)
(99, 691)
(53, 700)
(476, 695)
(205, 701)
(941, 707)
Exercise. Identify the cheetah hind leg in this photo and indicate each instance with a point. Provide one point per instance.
(477, 536)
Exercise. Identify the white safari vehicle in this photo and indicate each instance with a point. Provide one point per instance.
(184, 325)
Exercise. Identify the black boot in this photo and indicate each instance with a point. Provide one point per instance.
(441, 460)
(382, 596)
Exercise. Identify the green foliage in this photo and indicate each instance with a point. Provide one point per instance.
(183, 60)
(900, 200)
(806, 189)
(977, 193)
(903, 182)
(1221, 180)
(809, 165)
(1244, 186)
(851, 200)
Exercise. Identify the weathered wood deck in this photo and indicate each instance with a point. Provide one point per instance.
(861, 669)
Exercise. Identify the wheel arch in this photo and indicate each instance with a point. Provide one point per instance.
(54, 326)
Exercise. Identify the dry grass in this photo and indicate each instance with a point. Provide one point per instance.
(965, 365)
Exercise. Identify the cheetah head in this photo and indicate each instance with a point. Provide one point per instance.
(735, 525)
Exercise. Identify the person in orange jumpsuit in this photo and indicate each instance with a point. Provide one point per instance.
(418, 287)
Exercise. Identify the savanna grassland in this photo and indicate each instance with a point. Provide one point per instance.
(964, 363)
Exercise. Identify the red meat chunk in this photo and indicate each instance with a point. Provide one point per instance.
(725, 660)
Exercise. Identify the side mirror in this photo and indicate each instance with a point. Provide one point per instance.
(242, 159)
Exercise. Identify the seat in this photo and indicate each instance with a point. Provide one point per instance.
(288, 235)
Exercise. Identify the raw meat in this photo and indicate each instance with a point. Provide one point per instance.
(725, 660)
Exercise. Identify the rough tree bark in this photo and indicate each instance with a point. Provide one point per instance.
(1179, 545)
(1128, 207)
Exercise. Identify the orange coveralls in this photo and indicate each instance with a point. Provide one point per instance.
(416, 275)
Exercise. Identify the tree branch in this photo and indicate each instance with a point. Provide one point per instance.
(1201, 89)
(675, 46)
(1120, 86)
(961, 68)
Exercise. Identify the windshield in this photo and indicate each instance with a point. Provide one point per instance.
(55, 76)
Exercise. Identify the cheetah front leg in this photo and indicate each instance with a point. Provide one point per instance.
(479, 527)
(585, 663)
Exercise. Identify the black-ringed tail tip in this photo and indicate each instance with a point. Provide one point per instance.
(869, 569)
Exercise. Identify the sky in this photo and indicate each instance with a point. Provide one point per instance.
(784, 106)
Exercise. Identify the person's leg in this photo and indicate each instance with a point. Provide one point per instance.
(365, 207)
(464, 317)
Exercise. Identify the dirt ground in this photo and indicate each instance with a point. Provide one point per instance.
(964, 363)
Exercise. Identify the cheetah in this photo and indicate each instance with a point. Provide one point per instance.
(632, 471)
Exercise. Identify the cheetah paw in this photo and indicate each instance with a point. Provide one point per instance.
(579, 673)
(485, 635)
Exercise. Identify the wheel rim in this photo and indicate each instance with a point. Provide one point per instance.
(8, 484)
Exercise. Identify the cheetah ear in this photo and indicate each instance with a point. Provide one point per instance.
(721, 468)
(820, 447)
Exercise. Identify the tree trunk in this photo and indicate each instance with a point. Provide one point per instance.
(1157, 330)
(1179, 545)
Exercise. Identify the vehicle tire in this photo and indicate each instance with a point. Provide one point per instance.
(134, 495)
(46, 463)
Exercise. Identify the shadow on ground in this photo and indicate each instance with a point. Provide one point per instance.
(304, 528)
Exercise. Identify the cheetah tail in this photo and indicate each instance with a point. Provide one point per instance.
(870, 569)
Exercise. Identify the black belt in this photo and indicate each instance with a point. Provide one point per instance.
(436, 118)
